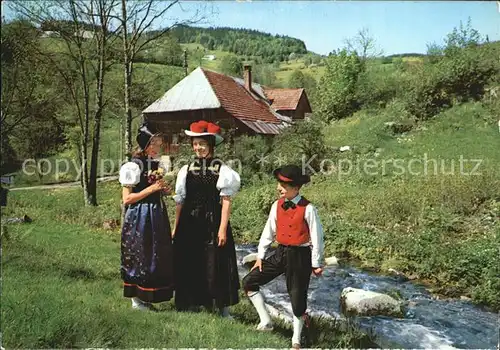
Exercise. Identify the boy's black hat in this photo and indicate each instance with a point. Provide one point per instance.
(291, 174)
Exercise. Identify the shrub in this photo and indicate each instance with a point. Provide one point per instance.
(337, 88)
(249, 150)
(466, 73)
(300, 143)
(458, 77)
(250, 211)
(377, 90)
(399, 64)
(425, 94)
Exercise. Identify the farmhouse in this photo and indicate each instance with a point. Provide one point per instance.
(292, 103)
(237, 105)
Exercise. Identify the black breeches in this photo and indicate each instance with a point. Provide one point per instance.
(295, 263)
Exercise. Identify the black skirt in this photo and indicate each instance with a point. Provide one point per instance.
(204, 273)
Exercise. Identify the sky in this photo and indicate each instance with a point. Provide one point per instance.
(396, 26)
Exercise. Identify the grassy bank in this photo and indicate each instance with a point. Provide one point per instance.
(430, 218)
(61, 287)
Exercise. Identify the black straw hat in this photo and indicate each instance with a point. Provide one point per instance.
(145, 134)
(291, 174)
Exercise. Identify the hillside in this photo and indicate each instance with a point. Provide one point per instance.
(273, 57)
(153, 79)
(244, 42)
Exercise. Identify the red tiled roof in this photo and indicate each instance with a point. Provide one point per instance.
(284, 99)
(237, 101)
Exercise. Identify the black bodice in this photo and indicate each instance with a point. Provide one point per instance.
(201, 184)
(146, 164)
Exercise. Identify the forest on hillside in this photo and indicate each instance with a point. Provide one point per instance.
(244, 42)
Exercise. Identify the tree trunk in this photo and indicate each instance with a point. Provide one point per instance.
(84, 169)
(92, 182)
(97, 118)
(86, 127)
(128, 109)
(85, 144)
(127, 70)
(121, 151)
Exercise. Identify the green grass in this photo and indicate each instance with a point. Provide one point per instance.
(286, 70)
(468, 130)
(211, 65)
(193, 62)
(61, 287)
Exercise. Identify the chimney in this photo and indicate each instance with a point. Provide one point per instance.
(247, 74)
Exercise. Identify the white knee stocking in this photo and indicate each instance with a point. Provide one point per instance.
(298, 323)
(136, 301)
(257, 300)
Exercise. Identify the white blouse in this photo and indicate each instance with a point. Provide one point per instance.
(228, 183)
(130, 174)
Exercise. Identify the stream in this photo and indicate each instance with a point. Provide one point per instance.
(428, 323)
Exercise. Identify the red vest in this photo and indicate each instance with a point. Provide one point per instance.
(291, 225)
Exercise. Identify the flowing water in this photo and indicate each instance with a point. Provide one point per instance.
(428, 323)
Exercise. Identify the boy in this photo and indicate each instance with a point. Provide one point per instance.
(294, 223)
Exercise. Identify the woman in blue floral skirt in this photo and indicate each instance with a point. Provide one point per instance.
(146, 244)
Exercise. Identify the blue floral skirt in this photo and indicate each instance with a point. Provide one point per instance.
(146, 253)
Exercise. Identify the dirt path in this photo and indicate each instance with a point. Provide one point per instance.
(63, 185)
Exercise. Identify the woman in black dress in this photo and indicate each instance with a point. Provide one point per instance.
(146, 244)
(205, 258)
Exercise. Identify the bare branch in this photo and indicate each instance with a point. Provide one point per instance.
(70, 84)
(137, 28)
(364, 44)
(6, 129)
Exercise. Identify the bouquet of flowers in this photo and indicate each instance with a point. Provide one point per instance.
(155, 175)
(161, 174)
